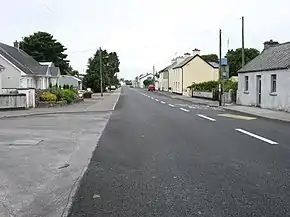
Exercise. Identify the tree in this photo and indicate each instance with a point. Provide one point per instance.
(235, 58)
(44, 48)
(210, 57)
(148, 81)
(110, 66)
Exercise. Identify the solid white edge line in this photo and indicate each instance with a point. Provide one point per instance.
(257, 136)
(171, 105)
(114, 106)
(157, 100)
(162, 102)
(205, 117)
(183, 109)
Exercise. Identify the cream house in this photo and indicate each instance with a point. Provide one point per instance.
(164, 76)
(192, 69)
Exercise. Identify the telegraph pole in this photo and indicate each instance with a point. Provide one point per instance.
(101, 73)
(243, 43)
(220, 67)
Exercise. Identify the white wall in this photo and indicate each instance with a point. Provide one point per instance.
(278, 101)
(10, 76)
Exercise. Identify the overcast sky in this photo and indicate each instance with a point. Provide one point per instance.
(145, 32)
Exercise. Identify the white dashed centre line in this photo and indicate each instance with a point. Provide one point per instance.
(162, 102)
(151, 98)
(205, 117)
(171, 105)
(157, 100)
(183, 109)
(257, 137)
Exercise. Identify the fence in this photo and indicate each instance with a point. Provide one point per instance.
(228, 97)
(29, 92)
(13, 101)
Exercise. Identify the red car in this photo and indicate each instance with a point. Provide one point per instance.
(151, 87)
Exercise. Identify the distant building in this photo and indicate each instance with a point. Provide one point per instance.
(71, 80)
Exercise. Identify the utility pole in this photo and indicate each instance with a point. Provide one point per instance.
(101, 73)
(220, 68)
(243, 43)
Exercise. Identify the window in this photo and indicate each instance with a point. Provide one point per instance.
(246, 83)
(273, 83)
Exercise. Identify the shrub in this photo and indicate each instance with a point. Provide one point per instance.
(48, 97)
(205, 86)
(69, 95)
(58, 92)
(230, 85)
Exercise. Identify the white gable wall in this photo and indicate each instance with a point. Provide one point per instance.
(10, 76)
(278, 101)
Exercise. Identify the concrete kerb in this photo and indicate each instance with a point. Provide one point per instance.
(64, 112)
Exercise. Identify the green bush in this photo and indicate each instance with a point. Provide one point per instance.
(58, 92)
(230, 85)
(48, 97)
(69, 95)
(205, 86)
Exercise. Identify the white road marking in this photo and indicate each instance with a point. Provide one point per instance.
(162, 102)
(171, 105)
(151, 97)
(257, 137)
(192, 107)
(183, 109)
(205, 117)
(157, 100)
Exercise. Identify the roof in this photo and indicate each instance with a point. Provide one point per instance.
(54, 71)
(168, 67)
(143, 76)
(70, 76)
(22, 60)
(47, 63)
(272, 58)
(188, 59)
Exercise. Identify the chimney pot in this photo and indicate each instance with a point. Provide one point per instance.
(16, 44)
(270, 43)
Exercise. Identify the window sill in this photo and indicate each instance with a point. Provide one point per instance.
(273, 94)
(246, 92)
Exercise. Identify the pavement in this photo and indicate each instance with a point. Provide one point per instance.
(162, 156)
(255, 111)
(44, 156)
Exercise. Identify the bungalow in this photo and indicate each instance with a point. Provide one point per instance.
(264, 81)
(192, 69)
(22, 71)
(71, 81)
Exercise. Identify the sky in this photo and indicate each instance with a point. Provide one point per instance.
(145, 32)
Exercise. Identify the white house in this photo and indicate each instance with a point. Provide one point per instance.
(265, 81)
(22, 71)
(70, 80)
(142, 78)
(164, 76)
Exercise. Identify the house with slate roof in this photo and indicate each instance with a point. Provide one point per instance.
(22, 71)
(265, 81)
(164, 76)
(191, 68)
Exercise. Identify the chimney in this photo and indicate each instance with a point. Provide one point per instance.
(179, 59)
(16, 44)
(195, 52)
(187, 55)
(270, 43)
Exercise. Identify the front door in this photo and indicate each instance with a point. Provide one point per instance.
(259, 88)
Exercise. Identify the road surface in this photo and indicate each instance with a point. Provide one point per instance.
(160, 156)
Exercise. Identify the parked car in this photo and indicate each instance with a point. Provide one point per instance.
(81, 93)
(151, 87)
(113, 87)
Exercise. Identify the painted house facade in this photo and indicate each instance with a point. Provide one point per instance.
(71, 81)
(193, 69)
(265, 81)
(22, 71)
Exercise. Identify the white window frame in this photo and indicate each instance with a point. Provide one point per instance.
(273, 80)
(246, 83)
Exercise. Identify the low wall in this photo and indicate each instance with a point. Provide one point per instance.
(29, 92)
(12, 101)
(200, 94)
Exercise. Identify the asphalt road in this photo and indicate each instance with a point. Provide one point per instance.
(160, 156)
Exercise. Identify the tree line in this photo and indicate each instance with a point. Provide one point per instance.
(43, 47)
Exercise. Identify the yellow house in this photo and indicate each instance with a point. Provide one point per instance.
(193, 69)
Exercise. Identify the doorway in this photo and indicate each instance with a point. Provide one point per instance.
(259, 90)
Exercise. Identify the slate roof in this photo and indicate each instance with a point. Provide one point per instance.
(188, 59)
(22, 60)
(54, 71)
(272, 58)
(168, 67)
